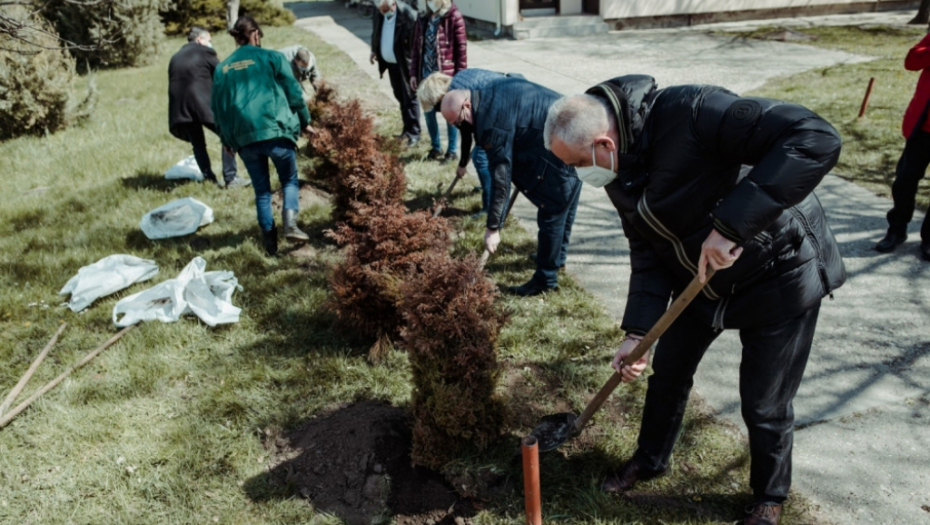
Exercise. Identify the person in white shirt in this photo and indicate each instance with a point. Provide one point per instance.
(391, 42)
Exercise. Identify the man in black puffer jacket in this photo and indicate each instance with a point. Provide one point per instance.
(507, 118)
(670, 161)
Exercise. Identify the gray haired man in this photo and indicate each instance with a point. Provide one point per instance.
(391, 43)
(304, 68)
(671, 161)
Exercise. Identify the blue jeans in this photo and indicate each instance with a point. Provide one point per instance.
(555, 230)
(432, 125)
(480, 158)
(283, 153)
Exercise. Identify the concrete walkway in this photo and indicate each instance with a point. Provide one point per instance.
(863, 444)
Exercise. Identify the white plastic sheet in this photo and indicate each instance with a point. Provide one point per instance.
(178, 217)
(185, 169)
(207, 295)
(108, 275)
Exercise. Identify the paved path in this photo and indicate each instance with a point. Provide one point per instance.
(863, 444)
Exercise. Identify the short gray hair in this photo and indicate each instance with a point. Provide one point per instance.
(196, 32)
(432, 89)
(576, 120)
(386, 2)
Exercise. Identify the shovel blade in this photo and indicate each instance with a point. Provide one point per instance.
(554, 430)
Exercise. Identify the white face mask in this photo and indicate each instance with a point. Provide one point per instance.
(389, 15)
(208, 44)
(433, 6)
(596, 175)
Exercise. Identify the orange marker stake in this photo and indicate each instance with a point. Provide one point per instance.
(531, 481)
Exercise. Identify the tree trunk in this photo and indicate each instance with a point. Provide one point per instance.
(923, 13)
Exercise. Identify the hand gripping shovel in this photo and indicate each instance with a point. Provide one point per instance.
(556, 429)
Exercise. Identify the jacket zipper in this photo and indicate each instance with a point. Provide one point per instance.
(659, 228)
(809, 231)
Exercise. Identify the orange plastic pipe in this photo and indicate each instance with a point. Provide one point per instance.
(865, 100)
(531, 481)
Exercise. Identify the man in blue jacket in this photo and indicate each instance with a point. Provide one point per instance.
(508, 118)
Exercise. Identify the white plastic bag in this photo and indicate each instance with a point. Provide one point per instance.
(185, 169)
(178, 217)
(207, 295)
(108, 275)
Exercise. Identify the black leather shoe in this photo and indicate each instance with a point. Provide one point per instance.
(412, 141)
(531, 288)
(270, 240)
(891, 241)
(925, 250)
(762, 514)
(449, 157)
(434, 154)
(628, 475)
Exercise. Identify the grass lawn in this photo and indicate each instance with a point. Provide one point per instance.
(169, 425)
(873, 144)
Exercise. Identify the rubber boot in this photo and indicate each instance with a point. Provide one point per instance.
(270, 240)
(291, 231)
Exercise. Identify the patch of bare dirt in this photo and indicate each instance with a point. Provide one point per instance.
(308, 196)
(355, 463)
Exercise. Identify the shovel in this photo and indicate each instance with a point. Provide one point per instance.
(556, 429)
(445, 196)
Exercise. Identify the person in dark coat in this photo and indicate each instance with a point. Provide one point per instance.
(912, 166)
(439, 44)
(190, 83)
(391, 42)
(507, 117)
(670, 161)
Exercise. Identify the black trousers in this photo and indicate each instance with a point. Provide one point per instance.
(773, 361)
(911, 168)
(409, 108)
(193, 132)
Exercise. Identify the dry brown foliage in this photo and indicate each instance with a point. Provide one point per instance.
(366, 284)
(451, 328)
(358, 165)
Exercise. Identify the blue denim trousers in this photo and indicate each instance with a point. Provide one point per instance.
(283, 153)
(432, 125)
(555, 230)
(480, 158)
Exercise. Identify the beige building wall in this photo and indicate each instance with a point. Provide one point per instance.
(611, 9)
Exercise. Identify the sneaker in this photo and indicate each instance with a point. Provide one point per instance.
(434, 154)
(450, 156)
(238, 182)
(412, 141)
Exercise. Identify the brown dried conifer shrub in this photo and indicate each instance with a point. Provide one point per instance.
(357, 164)
(452, 322)
(365, 286)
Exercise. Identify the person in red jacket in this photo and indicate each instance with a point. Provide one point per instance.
(914, 159)
(439, 44)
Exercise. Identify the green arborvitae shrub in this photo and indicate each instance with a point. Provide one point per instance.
(180, 15)
(452, 322)
(37, 82)
(366, 284)
(123, 32)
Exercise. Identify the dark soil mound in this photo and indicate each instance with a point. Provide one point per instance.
(355, 463)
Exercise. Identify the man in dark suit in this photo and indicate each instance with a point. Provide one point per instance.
(391, 40)
(190, 83)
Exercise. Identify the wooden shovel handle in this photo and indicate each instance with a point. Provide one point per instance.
(643, 346)
(445, 195)
(32, 368)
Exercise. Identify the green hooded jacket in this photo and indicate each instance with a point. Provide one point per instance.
(256, 98)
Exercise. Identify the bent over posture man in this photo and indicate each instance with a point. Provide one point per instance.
(507, 117)
(670, 161)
